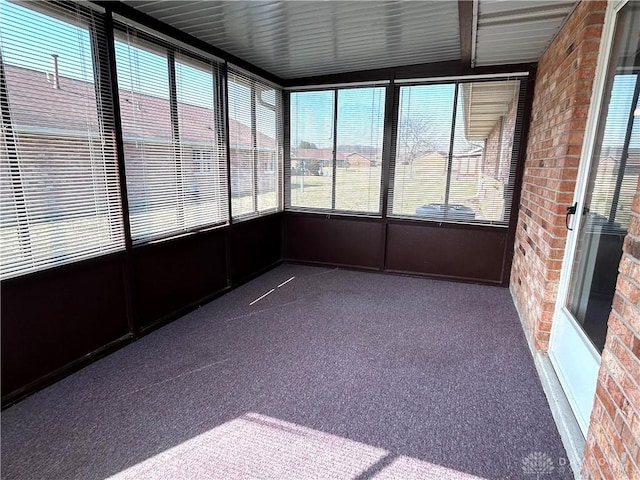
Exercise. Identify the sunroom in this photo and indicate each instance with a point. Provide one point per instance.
(343, 239)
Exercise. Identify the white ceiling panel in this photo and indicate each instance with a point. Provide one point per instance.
(294, 39)
(514, 31)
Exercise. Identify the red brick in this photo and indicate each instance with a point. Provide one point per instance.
(560, 108)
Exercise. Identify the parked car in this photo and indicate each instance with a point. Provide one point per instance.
(452, 211)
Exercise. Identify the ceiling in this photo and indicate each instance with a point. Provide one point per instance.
(295, 39)
(516, 31)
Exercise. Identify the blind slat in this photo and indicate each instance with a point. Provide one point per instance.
(173, 129)
(255, 143)
(60, 197)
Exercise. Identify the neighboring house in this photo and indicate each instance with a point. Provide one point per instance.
(612, 156)
(147, 135)
(467, 165)
(358, 160)
(315, 161)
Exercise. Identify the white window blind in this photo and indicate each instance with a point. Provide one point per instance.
(616, 158)
(455, 151)
(59, 190)
(255, 143)
(336, 149)
(173, 134)
(359, 149)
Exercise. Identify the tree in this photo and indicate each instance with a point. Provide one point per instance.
(305, 144)
(416, 139)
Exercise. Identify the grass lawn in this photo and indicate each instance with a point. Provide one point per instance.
(242, 205)
(358, 189)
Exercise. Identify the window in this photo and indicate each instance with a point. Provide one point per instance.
(336, 149)
(255, 142)
(454, 158)
(60, 196)
(173, 132)
(311, 122)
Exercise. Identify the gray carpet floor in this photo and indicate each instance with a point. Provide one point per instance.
(335, 374)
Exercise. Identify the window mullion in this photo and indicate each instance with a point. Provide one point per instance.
(335, 149)
(173, 103)
(254, 147)
(389, 146)
(223, 88)
(450, 156)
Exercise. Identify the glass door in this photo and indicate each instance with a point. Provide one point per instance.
(599, 220)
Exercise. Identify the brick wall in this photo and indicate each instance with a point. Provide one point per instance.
(492, 152)
(561, 103)
(613, 440)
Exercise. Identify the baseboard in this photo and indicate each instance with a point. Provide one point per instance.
(566, 423)
(404, 273)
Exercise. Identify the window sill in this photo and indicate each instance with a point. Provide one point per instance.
(334, 213)
(178, 235)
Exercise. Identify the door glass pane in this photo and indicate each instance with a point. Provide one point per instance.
(615, 166)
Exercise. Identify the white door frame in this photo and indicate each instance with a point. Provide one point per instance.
(563, 322)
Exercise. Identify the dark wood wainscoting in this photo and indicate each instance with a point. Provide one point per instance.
(467, 252)
(58, 320)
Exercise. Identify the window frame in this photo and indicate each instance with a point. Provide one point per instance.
(174, 51)
(96, 21)
(254, 80)
(380, 213)
(519, 128)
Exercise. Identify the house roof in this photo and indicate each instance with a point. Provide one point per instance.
(318, 153)
(37, 106)
(358, 154)
(484, 104)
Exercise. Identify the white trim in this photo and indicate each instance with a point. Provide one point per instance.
(463, 77)
(565, 327)
(620, 4)
(373, 83)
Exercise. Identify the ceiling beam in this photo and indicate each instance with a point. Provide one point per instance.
(418, 71)
(465, 18)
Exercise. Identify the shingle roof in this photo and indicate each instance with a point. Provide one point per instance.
(36, 105)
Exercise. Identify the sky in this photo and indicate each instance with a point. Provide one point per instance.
(360, 117)
(28, 39)
(312, 115)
